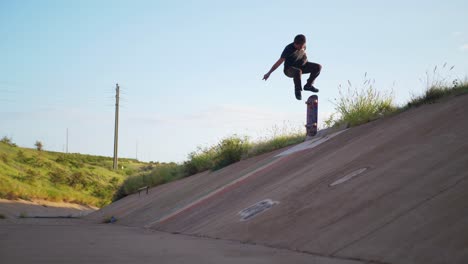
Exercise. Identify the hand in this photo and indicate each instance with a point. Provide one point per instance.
(266, 76)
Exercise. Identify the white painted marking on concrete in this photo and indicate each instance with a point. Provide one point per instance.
(309, 144)
(256, 209)
(348, 177)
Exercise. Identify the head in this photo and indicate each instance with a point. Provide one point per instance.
(299, 41)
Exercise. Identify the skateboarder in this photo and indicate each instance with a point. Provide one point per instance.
(296, 64)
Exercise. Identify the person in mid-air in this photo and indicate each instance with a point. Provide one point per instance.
(296, 64)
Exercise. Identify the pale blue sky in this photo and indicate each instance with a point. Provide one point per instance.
(191, 71)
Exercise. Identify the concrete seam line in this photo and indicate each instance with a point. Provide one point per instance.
(398, 216)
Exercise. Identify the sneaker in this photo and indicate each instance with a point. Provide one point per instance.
(310, 88)
(298, 94)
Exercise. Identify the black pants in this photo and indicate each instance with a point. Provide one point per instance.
(296, 72)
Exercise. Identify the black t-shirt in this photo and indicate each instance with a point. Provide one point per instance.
(294, 57)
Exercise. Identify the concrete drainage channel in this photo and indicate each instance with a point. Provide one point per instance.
(262, 206)
(349, 176)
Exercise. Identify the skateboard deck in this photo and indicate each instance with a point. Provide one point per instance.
(312, 115)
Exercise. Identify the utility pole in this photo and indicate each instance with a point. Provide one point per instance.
(67, 141)
(116, 130)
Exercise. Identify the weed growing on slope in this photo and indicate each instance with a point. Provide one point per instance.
(438, 85)
(358, 105)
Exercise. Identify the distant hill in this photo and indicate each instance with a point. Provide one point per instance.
(77, 178)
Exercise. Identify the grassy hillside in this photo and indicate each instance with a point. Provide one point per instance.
(84, 179)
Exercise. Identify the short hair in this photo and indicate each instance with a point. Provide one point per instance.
(299, 39)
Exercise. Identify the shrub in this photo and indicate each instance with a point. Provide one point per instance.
(361, 105)
(21, 157)
(161, 173)
(230, 150)
(4, 158)
(10, 195)
(77, 180)
(114, 181)
(102, 193)
(58, 176)
(31, 176)
(2, 216)
(200, 160)
(8, 141)
(39, 145)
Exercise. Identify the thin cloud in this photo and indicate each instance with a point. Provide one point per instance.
(457, 33)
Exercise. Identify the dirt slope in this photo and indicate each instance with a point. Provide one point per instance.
(408, 206)
(41, 208)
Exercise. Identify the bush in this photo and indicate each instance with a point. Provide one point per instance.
(58, 176)
(102, 193)
(4, 158)
(230, 150)
(361, 105)
(160, 174)
(39, 145)
(2, 216)
(21, 157)
(200, 160)
(8, 141)
(77, 180)
(9, 195)
(30, 176)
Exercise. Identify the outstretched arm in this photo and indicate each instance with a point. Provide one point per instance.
(273, 68)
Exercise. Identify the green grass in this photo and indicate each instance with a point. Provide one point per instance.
(359, 105)
(275, 142)
(228, 151)
(435, 93)
(83, 179)
(362, 104)
(152, 175)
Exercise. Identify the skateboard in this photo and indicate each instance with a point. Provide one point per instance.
(312, 113)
